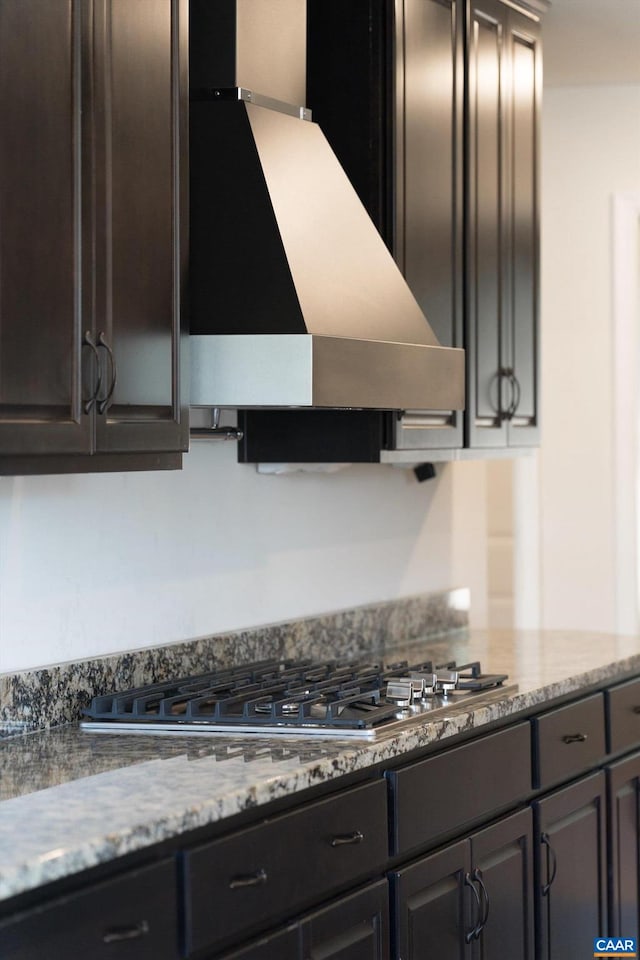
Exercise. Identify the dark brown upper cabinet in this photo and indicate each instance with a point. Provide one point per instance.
(433, 107)
(504, 76)
(93, 174)
(429, 187)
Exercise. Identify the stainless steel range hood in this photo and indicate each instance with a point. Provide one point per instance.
(295, 301)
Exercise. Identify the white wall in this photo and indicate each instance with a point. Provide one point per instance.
(97, 564)
(591, 150)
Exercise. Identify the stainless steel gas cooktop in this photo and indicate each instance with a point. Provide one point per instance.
(336, 698)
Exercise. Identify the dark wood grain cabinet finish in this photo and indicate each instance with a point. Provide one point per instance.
(474, 899)
(43, 248)
(354, 928)
(429, 156)
(131, 917)
(284, 864)
(502, 866)
(435, 905)
(571, 862)
(623, 716)
(568, 741)
(623, 788)
(283, 944)
(467, 776)
(93, 245)
(503, 94)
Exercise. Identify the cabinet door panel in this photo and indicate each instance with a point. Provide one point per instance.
(623, 779)
(140, 97)
(503, 854)
(486, 227)
(571, 868)
(355, 928)
(525, 73)
(42, 63)
(433, 906)
(429, 147)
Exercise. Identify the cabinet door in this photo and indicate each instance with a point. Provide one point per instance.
(571, 873)
(487, 390)
(43, 241)
(524, 64)
(436, 906)
(624, 805)
(355, 928)
(504, 84)
(140, 176)
(428, 186)
(502, 865)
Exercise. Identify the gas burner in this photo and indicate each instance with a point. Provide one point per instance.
(333, 698)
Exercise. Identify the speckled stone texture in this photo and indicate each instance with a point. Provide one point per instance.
(38, 699)
(71, 799)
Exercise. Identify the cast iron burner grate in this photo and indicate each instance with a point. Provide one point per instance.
(336, 697)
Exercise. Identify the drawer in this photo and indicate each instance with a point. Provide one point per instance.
(623, 716)
(132, 917)
(447, 792)
(270, 870)
(568, 741)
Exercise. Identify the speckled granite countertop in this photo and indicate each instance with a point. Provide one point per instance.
(70, 799)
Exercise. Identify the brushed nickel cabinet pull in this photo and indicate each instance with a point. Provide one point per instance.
(249, 880)
(126, 933)
(574, 738)
(347, 838)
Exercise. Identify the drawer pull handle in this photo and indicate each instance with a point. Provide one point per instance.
(250, 880)
(477, 927)
(347, 838)
(127, 933)
(552, 864)
(574, 738)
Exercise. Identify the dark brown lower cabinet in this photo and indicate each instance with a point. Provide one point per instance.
(502, 858)
(473, 899)
(571, 874)
(354, 928)
(623, 785)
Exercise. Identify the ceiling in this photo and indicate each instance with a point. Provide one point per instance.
(592, 42)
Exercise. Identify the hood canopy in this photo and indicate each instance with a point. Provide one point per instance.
(294, 297)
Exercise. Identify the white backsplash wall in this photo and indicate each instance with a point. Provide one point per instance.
(103, 563)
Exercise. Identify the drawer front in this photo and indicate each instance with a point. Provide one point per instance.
(270, 870)
(445, 793)
(132, 917)
(569, 740)
(623, 715)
